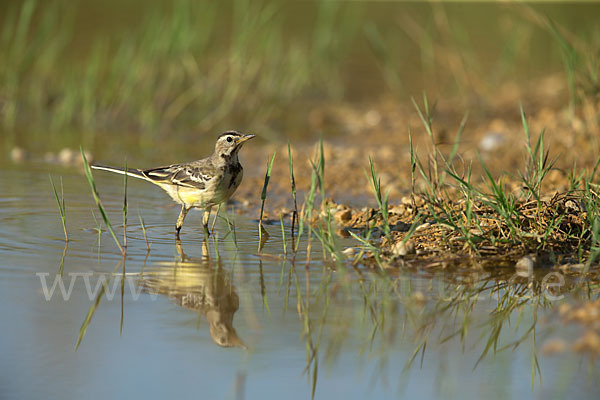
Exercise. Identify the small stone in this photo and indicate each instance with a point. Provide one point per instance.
(572, 268)
(372, 118)
(525, 266)
(349, 252)
(343, 216)
(402, 248)
(422, 227)
(18, 155)
(571, 205)
(343, 233)
(492, 141)
(66, 156)
(399, 209)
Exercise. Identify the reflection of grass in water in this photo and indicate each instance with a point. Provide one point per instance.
(389, 307)
(410, 310)
(263, 291)
(96, 304)
(144, 230)
(92, 310)
(61, 266)
(98, 230)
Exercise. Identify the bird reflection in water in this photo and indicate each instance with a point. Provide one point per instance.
(198, 285)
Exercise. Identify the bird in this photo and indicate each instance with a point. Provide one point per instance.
(203, 183)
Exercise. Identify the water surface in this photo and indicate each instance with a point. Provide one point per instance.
(211, 318)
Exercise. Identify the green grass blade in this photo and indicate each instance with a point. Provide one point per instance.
(263, 198)
(61, 205)
(90, 178)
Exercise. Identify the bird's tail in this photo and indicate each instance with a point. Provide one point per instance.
(136, 173)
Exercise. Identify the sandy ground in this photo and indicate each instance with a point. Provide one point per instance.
(380, 131)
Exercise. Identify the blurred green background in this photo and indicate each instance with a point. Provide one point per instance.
(154, 76)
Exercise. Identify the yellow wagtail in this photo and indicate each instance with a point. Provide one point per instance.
(202, 183)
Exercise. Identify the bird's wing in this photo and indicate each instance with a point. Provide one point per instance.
(193, 175)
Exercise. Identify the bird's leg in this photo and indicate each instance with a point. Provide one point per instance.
(182, 214)
(205, 219)
(212, 228)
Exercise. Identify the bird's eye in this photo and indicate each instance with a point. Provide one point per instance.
(229, 139)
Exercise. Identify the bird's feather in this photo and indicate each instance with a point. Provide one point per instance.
(193, 175)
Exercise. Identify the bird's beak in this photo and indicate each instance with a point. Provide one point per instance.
(245, 138)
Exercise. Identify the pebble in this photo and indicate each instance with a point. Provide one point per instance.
(18, 155)
(342, 233)
(525, 266)
(343, 215)
(492, 141)
(402, 248)
(573, 268)
(349, 252)
(70, 157)
(372, 118)
(422, 227)
(67, 156)
(571, 205)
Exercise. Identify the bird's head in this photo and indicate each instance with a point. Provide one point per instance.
(229, 143)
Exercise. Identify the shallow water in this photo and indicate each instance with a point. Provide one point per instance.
(340, 331)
